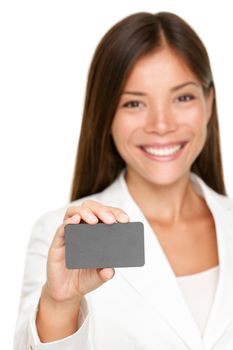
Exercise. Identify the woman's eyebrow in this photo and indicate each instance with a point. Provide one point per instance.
(184, 84)
(133, 93)
(138, 93)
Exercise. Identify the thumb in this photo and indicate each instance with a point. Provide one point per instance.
(106, 274)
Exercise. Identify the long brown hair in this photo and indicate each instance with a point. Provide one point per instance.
(98, 163)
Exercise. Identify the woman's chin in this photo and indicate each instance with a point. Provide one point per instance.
(164, 178)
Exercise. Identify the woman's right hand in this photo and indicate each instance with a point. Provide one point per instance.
(65, 285)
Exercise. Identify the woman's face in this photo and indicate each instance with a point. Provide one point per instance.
(160, 124)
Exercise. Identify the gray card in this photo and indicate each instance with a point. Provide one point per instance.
(104, 245)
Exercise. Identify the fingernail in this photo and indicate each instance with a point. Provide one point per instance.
(110, 218)
(75, 218)
(124, 217)
(92, 217)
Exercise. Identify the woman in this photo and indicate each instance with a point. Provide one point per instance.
(149, 151)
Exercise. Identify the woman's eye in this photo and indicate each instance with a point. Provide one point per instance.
(185, 98)
(131, 104)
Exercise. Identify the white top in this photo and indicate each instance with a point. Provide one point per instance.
(150, 310)
(199, 291)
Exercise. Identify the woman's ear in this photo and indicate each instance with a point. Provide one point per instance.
(209, 102)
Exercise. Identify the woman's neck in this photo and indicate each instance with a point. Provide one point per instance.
(166, 204)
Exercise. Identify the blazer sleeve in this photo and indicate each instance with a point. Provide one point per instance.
(26, 336)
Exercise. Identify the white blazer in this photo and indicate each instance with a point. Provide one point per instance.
(141, 308)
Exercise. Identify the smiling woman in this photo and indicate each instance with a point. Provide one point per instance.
(123, 64)
(149, 151)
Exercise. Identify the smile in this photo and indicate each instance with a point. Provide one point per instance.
(163, 153)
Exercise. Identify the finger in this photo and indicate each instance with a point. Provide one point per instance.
(91, 212)
(74, 209)
(111, 215)
(99, 208)
(106, 213)
(90, 209)
(106, 274)
(120, 215)
(87, 215)
(59, 239)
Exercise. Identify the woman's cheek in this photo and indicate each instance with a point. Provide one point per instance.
(124, 124)
(194, 117)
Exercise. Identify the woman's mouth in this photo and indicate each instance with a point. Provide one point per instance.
(163, 153)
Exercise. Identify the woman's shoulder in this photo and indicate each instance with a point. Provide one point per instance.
(201, 187)
(226, 201)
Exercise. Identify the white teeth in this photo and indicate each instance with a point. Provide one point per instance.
(162, 151)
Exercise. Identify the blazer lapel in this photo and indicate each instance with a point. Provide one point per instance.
(157, 282)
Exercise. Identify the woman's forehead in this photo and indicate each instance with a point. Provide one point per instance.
(160, 69)
(158, 63)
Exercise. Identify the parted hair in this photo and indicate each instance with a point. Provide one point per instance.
(98, 163)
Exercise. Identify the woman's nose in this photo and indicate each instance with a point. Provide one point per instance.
(160, 121)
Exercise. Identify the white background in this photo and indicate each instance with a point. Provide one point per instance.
(46, 48)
